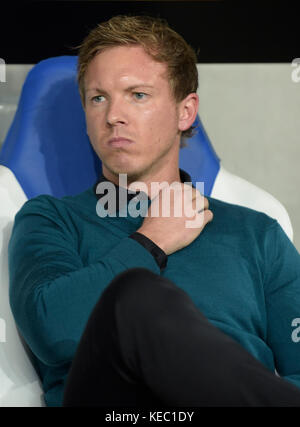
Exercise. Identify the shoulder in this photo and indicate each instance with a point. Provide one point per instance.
(236, 190)
(232, 218)
(248, 233)
(47, 205)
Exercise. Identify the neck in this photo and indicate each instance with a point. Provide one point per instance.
(148, 181)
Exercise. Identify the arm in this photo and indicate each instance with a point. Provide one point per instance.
(282, 293)
(51, 292)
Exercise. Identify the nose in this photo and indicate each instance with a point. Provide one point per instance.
(116, 114)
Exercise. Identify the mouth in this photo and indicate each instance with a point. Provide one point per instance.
(119, 142)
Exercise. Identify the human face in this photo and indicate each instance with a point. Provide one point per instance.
(127, 95)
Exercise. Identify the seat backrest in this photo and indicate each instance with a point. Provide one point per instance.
(19, 382)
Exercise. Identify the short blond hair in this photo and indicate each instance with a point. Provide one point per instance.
(158, 40)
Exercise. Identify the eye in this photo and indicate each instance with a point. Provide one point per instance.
(139, 95)
(98, 98)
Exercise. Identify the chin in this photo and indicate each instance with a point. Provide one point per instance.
(132, 171)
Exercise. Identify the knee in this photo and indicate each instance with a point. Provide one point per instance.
(139, 290)
(126, 292)
(135, 276)
(131, 283)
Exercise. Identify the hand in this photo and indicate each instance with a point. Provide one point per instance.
(183, 224)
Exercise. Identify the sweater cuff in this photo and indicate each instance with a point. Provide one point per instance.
(158, 254)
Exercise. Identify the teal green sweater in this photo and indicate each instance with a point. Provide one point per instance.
(242, 272)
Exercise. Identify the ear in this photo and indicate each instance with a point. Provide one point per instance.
(188, 110)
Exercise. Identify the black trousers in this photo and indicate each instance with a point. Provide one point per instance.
(147, 345)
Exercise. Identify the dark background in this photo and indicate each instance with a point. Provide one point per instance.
(223, 31)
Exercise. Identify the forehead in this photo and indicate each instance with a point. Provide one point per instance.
(125, 64)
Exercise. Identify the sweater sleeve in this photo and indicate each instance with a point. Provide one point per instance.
(51, 292)
(282, 293)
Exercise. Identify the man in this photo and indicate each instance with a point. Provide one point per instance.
(144, 309)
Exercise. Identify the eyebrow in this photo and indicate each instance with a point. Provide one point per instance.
(128, 89)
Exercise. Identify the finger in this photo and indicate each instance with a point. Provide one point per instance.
(204, 217)
(209, 216)
(200, 219)
(196, 194)
(200, 203)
